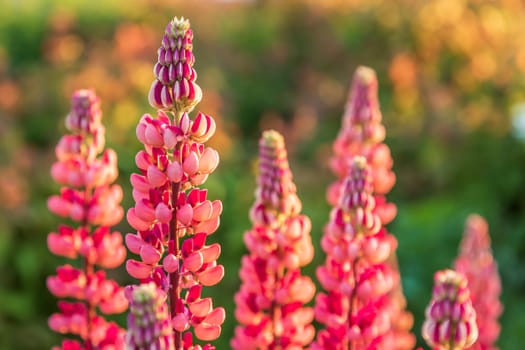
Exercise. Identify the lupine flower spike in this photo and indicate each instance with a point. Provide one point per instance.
(450, 318)
(476, 262)
(355, 311)
(149, 325)
(89, 199)
(270, 303)
(172, 215)
(363, 134)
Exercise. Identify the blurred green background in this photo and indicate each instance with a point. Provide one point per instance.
(452, 91)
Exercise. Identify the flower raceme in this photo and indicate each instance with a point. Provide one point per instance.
(476, 262)
(270, 303)
(172, 215)
(450, 318)
(355, 311)
(362, 134)
(88, 198)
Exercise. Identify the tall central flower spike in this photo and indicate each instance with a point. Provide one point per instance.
(88, 198)
(363, 134)
(355, 311)
(450, 318)
(270, 303)
(476, 262)
(172, 215)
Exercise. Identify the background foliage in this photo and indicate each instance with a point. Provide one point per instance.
(451, 85)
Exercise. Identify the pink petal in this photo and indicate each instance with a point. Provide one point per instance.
(149, 255)
(139, 183)
(203, 211)
(58, 206)
(154, 94)
(156, 177)
(184, 123)
(135, 222)
(174, 171)
(140, 131)
(142, 160)
(209, 161)
(185, 214)
(180, 322)
(216, 317)
(170, 263)
(209, 226)
(193, 262)
(211, 276)
(201, 308)
(60, 246)
(211, 253)
(163, 213)
(207, 332)
(191, 164)
(170, 140)
(145, 211)
(138, 269)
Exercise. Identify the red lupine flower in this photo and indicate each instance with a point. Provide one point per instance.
(172, 215)
(362, 134)
(450, 318)
(355, 311)
(269, 305)
(476, 262)
(89, 198)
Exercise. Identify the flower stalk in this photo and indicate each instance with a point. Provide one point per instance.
(270, 303)
(88, 198)
(362, 134)
(355, 311)
(476, 262)
(172, 214)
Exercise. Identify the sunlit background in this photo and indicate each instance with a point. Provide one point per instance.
(452, 90)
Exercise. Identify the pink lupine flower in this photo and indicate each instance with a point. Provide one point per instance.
(362, 134)
(450, 318)
(355, 310)
(88, 198)
(270, 303)
(149, 325)
(172, 215)
(476, 262)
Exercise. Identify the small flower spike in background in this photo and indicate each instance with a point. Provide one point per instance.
(476, 262)
(149, 325)
(363, 134)
(89, 199)
(355, 312)
(172, 215)
(270, 303)
(450, 318)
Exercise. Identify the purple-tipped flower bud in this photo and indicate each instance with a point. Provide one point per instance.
(450, 318)
(174, 87)
(149, 326)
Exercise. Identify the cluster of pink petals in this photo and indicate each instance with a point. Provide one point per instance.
(89, 199)
(172, 215)
(149, 325)
(270, 302)
(362, 134)
(450, 318)
(355, 311)
(476, 262)
(174, 86)
(72, 318)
